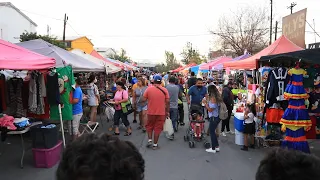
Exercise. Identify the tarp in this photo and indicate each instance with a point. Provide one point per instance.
(195, 69)
(177, 69)
(110, 68)
(220, 65)
(208, 66)
(281, 45)
(62, 56)
(17, 58)
(308, 55)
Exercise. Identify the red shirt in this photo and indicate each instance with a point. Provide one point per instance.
(156, 100)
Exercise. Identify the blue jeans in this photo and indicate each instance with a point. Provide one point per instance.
(213, 124)
(174, 116)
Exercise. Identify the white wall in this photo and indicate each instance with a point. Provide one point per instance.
(13, 24)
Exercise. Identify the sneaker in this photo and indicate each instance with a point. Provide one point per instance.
(210, 150)
(252, 146)
(217, 149)
(223, 134)
(149, 145)
(155, 147)
(170, 137)
(230, 132)
(134, 121)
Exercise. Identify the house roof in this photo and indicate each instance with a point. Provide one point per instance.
(9, 4)
(72, 38)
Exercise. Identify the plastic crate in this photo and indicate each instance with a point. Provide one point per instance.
(47, 158)
(44, 138)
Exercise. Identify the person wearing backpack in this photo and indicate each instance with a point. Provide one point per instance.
(213, 106)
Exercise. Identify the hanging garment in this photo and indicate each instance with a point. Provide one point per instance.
(295, 89)
(37, 91)
(15, 93)
(277, 81)
(53, 89)
(66, 81)
(3, 105)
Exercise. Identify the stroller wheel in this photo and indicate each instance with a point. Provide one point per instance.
(191, 144)
(207, 145)
(185, 138)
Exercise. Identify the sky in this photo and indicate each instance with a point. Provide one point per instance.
(148, 28)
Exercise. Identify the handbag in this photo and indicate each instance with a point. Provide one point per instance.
(126, 107)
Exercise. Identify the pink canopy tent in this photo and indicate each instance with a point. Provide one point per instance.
(219, 60)
(14, 57)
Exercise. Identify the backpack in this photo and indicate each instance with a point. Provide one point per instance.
(223, 111)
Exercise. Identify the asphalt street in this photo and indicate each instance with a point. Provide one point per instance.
(173, 161)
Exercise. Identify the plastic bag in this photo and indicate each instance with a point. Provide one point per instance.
(167, 127)
(109, 112)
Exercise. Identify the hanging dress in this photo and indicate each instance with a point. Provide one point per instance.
(295, 119)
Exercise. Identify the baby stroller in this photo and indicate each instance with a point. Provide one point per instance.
(196, 130)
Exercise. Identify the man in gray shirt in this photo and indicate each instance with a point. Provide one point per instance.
(173, 90)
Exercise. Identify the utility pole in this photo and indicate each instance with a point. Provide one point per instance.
(276, 31)
(48, 30)
(291, 6)
(271, 22)
(64, 27)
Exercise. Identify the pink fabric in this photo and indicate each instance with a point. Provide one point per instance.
(209, 65)
(7, 122)
(120, 95)
(14, 57)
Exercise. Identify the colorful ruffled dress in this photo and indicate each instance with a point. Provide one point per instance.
(295, 120)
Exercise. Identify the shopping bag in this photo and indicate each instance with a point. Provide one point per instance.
(167, 127)
(127, 107)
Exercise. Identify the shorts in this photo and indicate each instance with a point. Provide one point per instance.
(155, 123)
(249, 129)
(141, 108)
(75, 124)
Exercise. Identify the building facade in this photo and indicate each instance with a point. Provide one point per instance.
(83, 43)
(14, 22)
(105, 52)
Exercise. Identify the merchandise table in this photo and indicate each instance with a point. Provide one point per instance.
(27, 129)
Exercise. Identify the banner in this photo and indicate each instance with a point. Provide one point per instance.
(294, 27)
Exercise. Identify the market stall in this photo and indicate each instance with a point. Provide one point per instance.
(17, 108)
(62, 56)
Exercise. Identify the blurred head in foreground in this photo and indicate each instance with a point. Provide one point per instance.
(100, 157)
(281, 164)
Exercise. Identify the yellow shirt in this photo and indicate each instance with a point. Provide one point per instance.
(135, 86)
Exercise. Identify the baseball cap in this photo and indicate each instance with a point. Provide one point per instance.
(157, 78)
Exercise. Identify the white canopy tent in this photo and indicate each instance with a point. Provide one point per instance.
(110, 68)
(63, 57)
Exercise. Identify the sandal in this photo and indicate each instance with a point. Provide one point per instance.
(117, 134)
(127, 133)
(144, 130)
(155, 147)
(140, 127)
(149, 144)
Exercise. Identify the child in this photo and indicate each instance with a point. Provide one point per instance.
(249, 127)
(197, 125)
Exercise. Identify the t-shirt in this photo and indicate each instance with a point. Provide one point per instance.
(77, 108)
(156, 100)
(173, 94)
(250, 118)
(215, 112)
(197, 94)
(53, 94)
(66, 81)
(191, 81)
(120, 95)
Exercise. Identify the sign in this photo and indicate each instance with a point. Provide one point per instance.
(294, 27)
(314, 46)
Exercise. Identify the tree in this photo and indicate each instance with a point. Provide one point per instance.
(191, 55)
(26, 36)
(171, 61)
(161, 68)
(122, 56)
(245, 29)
